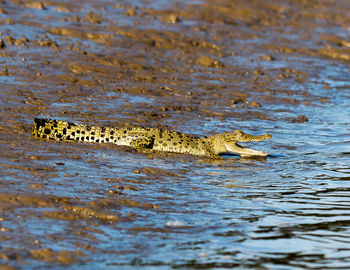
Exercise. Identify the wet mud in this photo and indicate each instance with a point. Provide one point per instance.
(200, 67)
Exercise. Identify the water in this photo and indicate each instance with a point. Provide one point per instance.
(101, 206)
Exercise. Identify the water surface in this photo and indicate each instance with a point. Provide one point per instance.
(274, 67)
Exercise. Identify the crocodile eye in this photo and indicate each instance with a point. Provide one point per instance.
(230, 136)
(237, 133)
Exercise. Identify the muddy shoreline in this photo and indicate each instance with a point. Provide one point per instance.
(199, 67)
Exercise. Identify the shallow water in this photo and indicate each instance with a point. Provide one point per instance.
(274, 67)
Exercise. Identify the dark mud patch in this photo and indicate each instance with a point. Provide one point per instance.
(200, 67)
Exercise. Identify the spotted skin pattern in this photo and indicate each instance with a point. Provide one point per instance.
(148, 139)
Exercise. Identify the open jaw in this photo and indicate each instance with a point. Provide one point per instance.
(244, 151)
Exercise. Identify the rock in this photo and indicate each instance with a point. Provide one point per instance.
(207, 61)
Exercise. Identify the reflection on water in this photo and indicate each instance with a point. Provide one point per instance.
(100, 206)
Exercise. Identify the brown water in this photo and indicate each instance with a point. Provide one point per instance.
(201, 67)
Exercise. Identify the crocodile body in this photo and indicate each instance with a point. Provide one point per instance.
(148, 139)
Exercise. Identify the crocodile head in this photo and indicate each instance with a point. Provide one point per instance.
(227, 143)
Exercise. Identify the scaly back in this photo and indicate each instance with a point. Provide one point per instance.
(66, 131)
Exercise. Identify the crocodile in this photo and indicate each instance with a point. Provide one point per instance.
(148, 139)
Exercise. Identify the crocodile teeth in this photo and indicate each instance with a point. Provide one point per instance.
(245, 151)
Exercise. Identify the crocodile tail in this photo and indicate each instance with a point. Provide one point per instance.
(66, 131)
